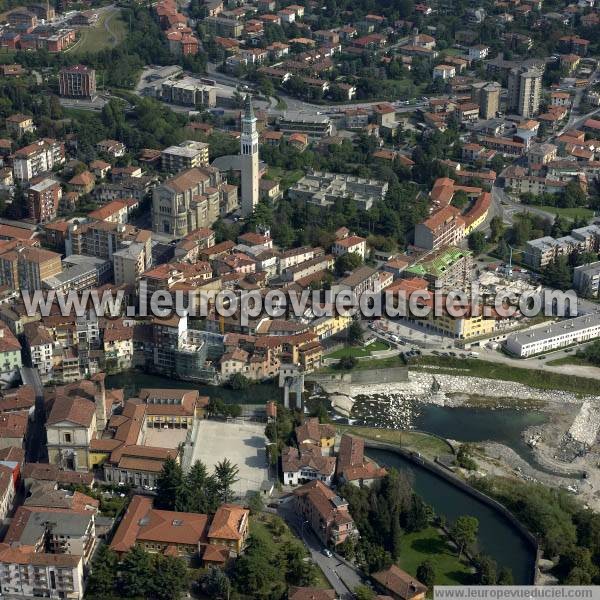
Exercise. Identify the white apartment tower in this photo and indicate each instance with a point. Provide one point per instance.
(249, 151)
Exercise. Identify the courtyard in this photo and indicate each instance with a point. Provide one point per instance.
(243, 443)
(164, 437)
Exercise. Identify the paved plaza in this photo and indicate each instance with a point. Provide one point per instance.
(243, 443)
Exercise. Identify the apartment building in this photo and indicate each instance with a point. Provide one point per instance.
(27, 572)
(189, 91)
(487, 96)
(552, 337)
(129, 263)
(325, 189)
(187, 155)
(188, 201)
(116, 211)
(77, 81)
(38, 158)
(25, 267)
(540, 252)
(311, 124)
(43, 200)
(10, 363)
(103, 238)
(447, 269)
(586, 279)
(524, 90)
(352, 465)
(326, 513)
(443, 228)
(40, 344)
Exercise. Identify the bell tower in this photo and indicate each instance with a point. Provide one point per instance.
(249, 152)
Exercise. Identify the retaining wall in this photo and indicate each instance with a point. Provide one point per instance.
(366, 376)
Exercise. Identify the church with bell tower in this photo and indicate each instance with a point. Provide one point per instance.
(249, 154)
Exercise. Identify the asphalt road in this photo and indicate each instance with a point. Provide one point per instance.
(342, 578)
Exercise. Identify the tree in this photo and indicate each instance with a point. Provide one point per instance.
(496, 228)
(486, 570)
(460, 199)
(255, 503)
(239, 382)
(464, 532)
(102, 580)
(426, 573)
(557, 274)
(346, 363)
(169, 577)
(216, 584)
(169, 486)
(347, 262)
(226, 475)
(363, 592)
(505, 577)
(136, 573)
(355, 333)
(477, 242)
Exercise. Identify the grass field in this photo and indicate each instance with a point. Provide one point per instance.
(358, 351)
(374, 363)
(428, 445)
(570, 213)
(542, 380)
(109, 31)
(570, 360)
(430, 544)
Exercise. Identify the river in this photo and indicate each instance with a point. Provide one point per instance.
(133, 381)
(497, 537)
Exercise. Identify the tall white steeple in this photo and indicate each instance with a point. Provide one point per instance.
(249, 151)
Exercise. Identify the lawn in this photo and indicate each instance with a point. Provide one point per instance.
(373, 363)
(358, 351)
(260, 524)
(428, 445)
(570, 213)
(286, 178)
(542, 380)
(109, 31)
(570, 360)
(431, 544)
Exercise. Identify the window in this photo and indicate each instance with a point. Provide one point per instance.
(68, 438)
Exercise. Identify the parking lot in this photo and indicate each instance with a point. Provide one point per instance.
(243, 443)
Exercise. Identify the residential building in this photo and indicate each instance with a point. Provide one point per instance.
(447, 269)
(19, 124)
(112, 148)
(586, 279)
(229, 529)
(524, 90)
(546, 338)
(27, 572)
(25, 267)
(314, 434)
(313, 125)
(487, 97)
(352, 466)
(40, 345)
(77, 81)
(129, 263)
(324, 189)
(397, 584)
(327, 513)
(306, 464)
(189, 91)
(444, 227)
(311, 593)
(43, 200)
(353, 243)
(13, 425)
(540, 252)
(116, 211)
(186, 155)
(38, 158)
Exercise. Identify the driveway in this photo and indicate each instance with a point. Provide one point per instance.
(342, 578)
